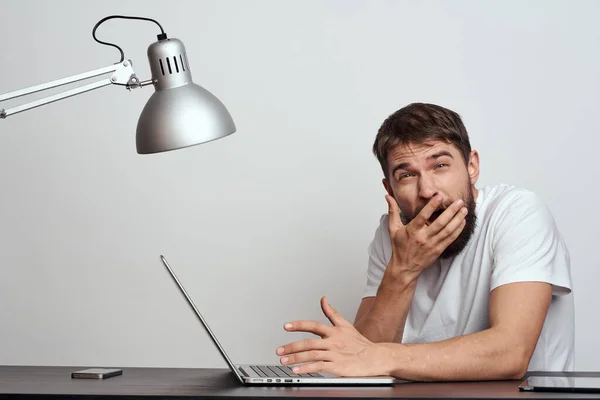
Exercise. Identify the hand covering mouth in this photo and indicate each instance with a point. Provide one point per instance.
(436, 214)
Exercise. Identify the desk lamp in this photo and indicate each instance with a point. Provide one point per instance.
(178, 114)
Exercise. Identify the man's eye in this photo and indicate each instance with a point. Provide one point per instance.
(441, 165)
(404, 176)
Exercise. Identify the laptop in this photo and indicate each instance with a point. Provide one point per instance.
(562, 382)
(276, 375)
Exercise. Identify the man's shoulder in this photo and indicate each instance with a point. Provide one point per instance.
(504, 198)
(503, 191)
(511, 208)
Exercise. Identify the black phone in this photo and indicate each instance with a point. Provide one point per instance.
(96, 373)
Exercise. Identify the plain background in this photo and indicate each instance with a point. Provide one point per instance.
(260, 224)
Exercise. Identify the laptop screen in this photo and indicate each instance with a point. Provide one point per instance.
(230, 363)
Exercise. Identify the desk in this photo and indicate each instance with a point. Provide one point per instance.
(53, 383)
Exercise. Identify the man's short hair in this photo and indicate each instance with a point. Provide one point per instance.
(418, 123)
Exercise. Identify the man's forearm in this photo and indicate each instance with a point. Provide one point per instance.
(489, 354)
(385, 321)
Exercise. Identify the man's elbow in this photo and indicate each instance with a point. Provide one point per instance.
(518, 363)
(516, 372)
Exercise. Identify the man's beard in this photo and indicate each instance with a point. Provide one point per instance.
(463, 238)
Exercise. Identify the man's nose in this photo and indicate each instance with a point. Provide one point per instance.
(427, 187)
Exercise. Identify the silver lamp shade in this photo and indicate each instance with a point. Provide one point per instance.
(179, 113)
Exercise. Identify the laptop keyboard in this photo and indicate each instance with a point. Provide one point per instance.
(280, 372)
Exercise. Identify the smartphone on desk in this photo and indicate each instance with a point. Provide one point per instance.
(96, 373)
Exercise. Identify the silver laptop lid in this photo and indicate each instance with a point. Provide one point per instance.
(202, 320)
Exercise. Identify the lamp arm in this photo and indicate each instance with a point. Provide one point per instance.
(122, 74)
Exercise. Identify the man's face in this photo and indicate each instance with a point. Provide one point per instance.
(417, 172)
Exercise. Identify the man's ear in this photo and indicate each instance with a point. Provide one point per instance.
(473, 167)
(388, 187)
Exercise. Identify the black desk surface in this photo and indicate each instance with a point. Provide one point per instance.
(21, 382)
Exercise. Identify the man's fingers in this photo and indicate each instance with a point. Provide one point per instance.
(394, 221)
(306, 356)
(315, 367)
(452, 237)
(332, 315)
(422, 218)
(302, 345)
(447, 222)
(314, 327)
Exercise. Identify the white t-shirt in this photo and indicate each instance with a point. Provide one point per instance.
(515, 240)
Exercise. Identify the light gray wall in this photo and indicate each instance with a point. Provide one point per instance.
(261, 224)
